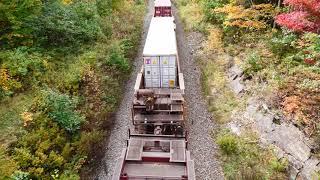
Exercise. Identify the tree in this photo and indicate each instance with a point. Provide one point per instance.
(14, 17)
(305, 16)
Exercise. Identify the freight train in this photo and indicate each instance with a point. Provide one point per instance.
(157, 146)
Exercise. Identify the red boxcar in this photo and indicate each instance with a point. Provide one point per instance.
(162, 8)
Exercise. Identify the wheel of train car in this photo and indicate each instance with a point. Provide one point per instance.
(179, 130)
(149, 129)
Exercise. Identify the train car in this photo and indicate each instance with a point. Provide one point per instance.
(162, 8)
(158, 105)
(158, 147)
(155, 157)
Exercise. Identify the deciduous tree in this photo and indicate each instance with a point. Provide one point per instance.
(305, 16)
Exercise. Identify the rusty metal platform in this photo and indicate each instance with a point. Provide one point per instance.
(141, 118)
(177, 150)
(151, 170)
(135, 149)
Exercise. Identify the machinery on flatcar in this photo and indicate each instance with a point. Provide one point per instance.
(157, 148)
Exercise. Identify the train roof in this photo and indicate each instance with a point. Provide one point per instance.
(161, 38)
(165, 3)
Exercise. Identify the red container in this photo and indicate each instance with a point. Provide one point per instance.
(162, 8)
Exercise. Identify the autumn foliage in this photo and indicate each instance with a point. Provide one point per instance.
(305, 16)
(255, 17)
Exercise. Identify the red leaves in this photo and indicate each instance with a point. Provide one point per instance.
(304, 18)
(310, 61)
(312, 6)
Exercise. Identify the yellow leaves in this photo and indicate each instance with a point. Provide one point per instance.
(66, 2)
(232, 12)
(214, 42)
(4, 79)
(254, 17)
(27, 117)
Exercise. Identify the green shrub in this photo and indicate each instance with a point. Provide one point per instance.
(14, 17)
(7, 164)
(20, 175)
(209, 6)
(282, 45)
(279, 165)
(69, 175)
(24, 68)
(62, 109)
(67, 25)
(116, 59)
(89, 141)
(228, 143)
(46, 150)
(254, 64)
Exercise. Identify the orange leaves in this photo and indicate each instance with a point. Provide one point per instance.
(246, 24)
(255, 17)
(291, 104)
(26, 117)
(300, 100)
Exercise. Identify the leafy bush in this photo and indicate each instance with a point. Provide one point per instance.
(20, 175)
(283, 45)
(208, 9)
(116, 59)
(62, 109)
(7, 164)
(21, 69)
(13, 22)
(254, 63)
(256, 17)
(67, 25)
(228, 144)
(45, 150)
(304, 16)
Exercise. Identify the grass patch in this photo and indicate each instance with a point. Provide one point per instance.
(10, 117)
(244, 159)
(194, 21)
(221, 100)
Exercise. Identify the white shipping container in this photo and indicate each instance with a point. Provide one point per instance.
(160, 53)
(168, 81)
(168, 71)
(152, 72)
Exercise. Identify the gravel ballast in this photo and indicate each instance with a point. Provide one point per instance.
(122, 120)
(199, 120)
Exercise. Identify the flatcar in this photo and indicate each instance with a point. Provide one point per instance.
(155, 157)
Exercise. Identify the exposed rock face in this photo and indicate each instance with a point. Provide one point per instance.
(309, 170)
(235, 76)
(288, 141)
